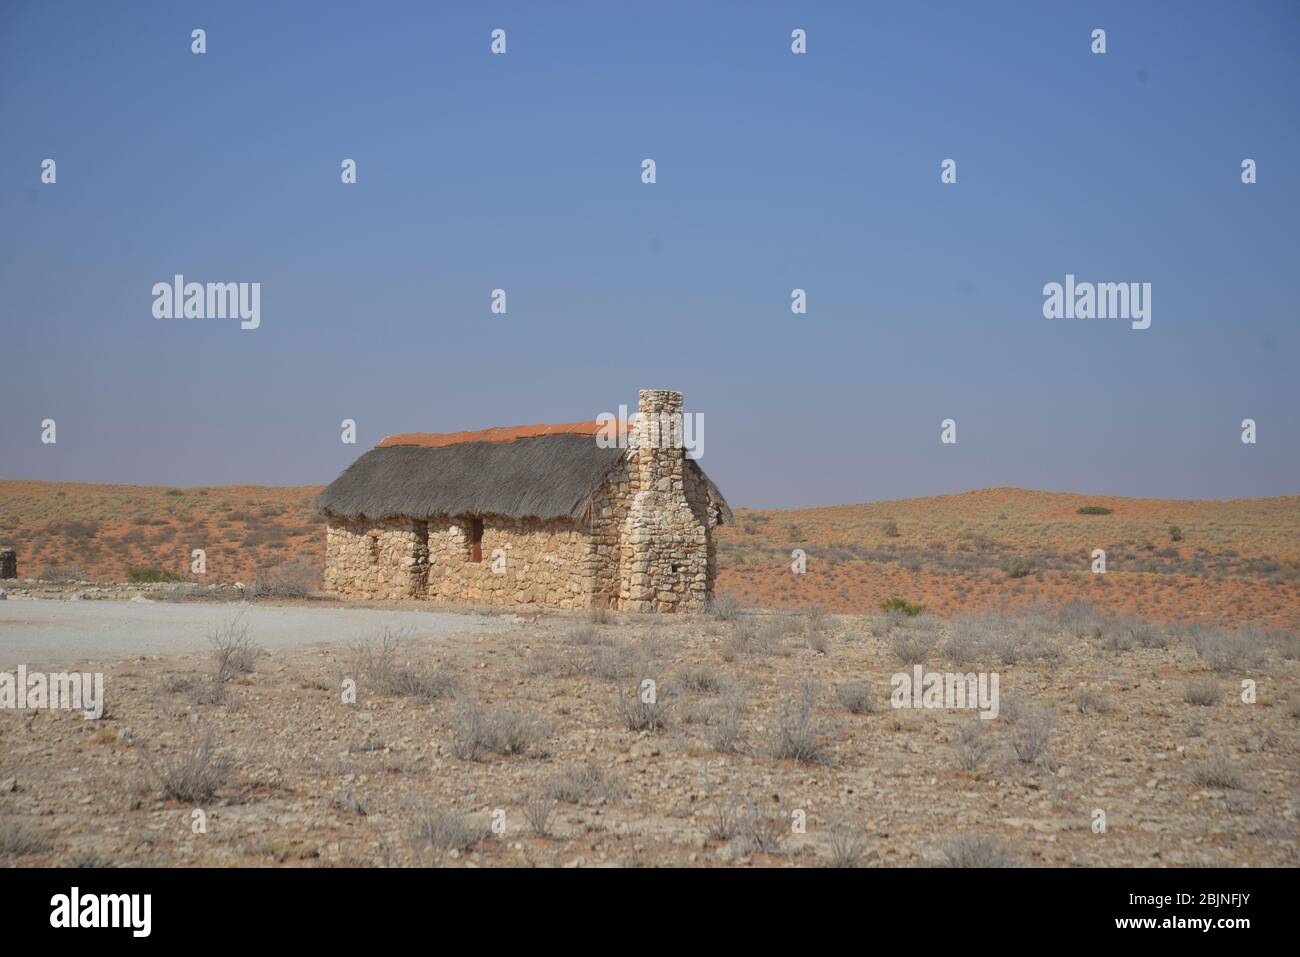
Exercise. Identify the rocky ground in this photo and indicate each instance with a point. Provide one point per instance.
(771, 741)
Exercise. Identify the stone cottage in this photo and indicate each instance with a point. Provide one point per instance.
(571, 516)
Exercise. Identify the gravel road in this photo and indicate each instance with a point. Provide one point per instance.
(63, 633)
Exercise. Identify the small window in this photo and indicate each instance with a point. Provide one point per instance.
(474, 528)
(374, 548)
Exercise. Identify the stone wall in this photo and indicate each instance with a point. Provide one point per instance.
(524, 562)
(376, 559)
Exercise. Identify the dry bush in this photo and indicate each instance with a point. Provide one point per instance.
(1229, 652)
(797, 735)
(1201, 691)
(757, 831)
(539, 811)
(1217, 771)
(725, 733)
(233, 652)
(1082, 619)
(722, 820)
(588, 636)
(698, 680)
(1093, 701)
(848, 845)
(475, 732)
(914, 641)
(376, 660)
(975, 850)
(723, 607)
(284, 580)
(18, 839)
(1032, 734)
(585, 784)
(641, 708)
(974, 744)
(194, 774)
(443, 831)
(856, 697)
(598, 614)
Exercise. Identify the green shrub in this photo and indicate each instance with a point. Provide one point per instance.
(142, 574)
(902, 606)
(1018, 567)
(1094, 510)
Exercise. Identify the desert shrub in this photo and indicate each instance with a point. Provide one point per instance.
(587, 636)
(797, 735)
(1201, 691)
(376, 660)
(598, 614)
(194, 774)
(18, 839)
(848, 846)
(584, 784)
(1175, 533)
(142, 574)
(974, 744)
(901, 606)
(1229, 652)
(855, 696)
(975, 850)
(539, 811)
(1017, 567)
(640, 707)
(442, 831)
(913, 645)
(1031, 736)
(1081, 619)
(1216, 771)
(889, 529)
(699, 680)
(502, 730)
(233, 652)
(285, 580)
(1092, 701)
(759, 831)
(724, 732)
(722, 820)
(1094, 510)
(723, 606)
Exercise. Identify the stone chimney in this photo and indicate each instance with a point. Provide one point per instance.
(664, 547)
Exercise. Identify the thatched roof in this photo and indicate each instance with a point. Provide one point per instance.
(545, 475)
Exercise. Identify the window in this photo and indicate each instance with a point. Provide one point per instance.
(374, 548)
(474, 530)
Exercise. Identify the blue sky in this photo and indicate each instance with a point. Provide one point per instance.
(775, 171)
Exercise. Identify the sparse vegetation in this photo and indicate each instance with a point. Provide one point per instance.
(193, 774)
(233, 652)
(1094, 510)
(798, 736)
(976, 850)
(142, 574)
(1201, 691)
(1217, 771)
(501, 730)
(855, 696)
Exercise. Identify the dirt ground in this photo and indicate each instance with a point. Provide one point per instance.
(768, 740)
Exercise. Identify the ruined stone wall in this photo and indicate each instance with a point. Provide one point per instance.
(664, 548)
(8, 563)
(385, 559)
